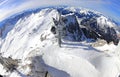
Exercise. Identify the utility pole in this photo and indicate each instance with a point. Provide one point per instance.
(59, 36)
(59, 29)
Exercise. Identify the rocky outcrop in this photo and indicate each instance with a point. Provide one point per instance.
(87, 25)
(72, 27)
(94, 30)
(9, 63)
(77, 25)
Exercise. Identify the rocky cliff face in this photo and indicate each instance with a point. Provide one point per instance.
(85, 25)
(72, 28)
(103, 31)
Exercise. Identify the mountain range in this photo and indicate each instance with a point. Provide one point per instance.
(59, 41)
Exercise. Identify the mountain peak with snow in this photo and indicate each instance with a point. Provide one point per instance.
(34, 37)
(82, 15)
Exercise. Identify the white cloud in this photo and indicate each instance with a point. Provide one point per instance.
(2, 2)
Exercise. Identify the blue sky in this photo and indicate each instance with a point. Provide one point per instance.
(110, 8)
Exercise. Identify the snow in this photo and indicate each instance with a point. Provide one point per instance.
(107, 47)
(117, 51)
(84, 11)
(104, 21)
(80, 62)
(30, 39)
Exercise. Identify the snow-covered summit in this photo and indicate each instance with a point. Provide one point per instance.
(84, 17)
(33, 38)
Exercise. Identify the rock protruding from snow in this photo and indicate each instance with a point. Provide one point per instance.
(93, 24)
(79, 24)
(9, 63)
(72, 28)
(102, 30)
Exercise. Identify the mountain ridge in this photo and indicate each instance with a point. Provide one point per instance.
(48, 42)
(78, 12)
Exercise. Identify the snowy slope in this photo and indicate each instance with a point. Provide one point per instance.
(31, 40)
